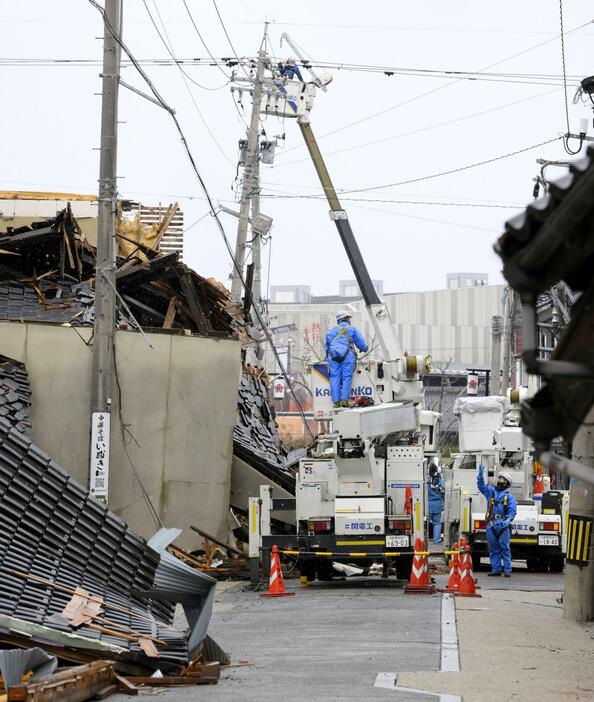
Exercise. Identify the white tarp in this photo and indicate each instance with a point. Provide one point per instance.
(476, 405)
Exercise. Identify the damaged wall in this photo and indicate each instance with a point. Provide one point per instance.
(180, 399)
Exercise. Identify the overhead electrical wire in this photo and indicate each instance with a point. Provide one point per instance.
(451, 170)
(422, 129)
(441, 87)
(567, 137)
(229, 39)
(204, 188)
(185, 79)
(288, 196)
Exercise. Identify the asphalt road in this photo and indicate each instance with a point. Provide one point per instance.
(330, 641)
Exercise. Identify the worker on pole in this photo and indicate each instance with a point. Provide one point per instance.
(435, 498)
(501, 510)
(342, 341)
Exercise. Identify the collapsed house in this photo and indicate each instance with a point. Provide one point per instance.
(46, 278)
(74, 578)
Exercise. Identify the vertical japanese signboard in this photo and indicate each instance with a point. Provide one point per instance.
(99, 479)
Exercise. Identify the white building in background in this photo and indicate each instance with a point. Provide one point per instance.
(466, 280)
(452, 325)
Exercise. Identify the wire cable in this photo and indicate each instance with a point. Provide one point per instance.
(567, 137)
(214, 210)
(185, 78)
(454, 170)
(229, 40)
(441, 87)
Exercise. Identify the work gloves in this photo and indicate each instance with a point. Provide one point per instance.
(505, 524)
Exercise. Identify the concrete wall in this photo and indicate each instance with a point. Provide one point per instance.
(179, 401)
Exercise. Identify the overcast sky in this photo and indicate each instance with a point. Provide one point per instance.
(50, 123)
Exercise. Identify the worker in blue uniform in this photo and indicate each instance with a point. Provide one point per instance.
(501, 510)
(341, 344)
(289, 69)
(435, 498)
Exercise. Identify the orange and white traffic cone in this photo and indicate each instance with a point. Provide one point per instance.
(408, 497)
(454, 581)
(467, 586)
(276, 585)
(419, 576)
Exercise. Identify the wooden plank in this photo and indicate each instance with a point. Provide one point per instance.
(173, 681)
(106, 692)
(193, 301)
(170, 316)
(70, 685)
(37, 195)
(125, 686)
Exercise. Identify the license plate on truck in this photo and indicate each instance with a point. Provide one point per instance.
(397, 541)
(548, 540)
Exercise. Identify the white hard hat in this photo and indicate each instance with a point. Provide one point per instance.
(340, 316)
(290, 60)
(506, 476)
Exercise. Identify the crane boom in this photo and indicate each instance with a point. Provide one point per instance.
(378, 312)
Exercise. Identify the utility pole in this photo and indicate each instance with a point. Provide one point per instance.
(105, 290)
(578, 597)
(496, 322)
(251, 183)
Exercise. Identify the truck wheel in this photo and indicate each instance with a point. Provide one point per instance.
(404, 567)
(531, 564)
(556, 565)
(476, 562)
(541, 566)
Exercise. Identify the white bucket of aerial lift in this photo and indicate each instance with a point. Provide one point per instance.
(380, 420)
(287, 98)
(478, 418)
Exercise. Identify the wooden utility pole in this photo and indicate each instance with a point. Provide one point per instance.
(578, 597)
(105, 291)
(251, 180)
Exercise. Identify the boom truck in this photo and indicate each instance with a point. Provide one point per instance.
(360, 492)
(491, 435)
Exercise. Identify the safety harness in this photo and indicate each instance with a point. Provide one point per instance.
(339, 358)
(490, 516)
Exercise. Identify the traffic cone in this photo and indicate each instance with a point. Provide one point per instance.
(454, 581)
(408, 500)
(419, 576)
(467, 586)
(276, 585)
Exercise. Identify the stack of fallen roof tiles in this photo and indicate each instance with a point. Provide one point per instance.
(55, 537)
(255, 438)
(15, 394)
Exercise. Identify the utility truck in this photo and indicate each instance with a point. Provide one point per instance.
(491, 435)
(360, 491)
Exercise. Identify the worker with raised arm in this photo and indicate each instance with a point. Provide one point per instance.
(501, 510)
(341, 344)
(435, 498)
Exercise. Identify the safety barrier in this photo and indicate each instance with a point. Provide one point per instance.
(356, 554)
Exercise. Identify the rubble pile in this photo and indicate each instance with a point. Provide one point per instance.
(47, 275)
(255, 438)
(74, 579)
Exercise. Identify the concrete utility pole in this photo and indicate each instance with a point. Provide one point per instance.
(496, 323)
(578, 598)
(251, 181)
(105, 291)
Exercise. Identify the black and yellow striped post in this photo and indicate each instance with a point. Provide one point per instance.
(579, 539)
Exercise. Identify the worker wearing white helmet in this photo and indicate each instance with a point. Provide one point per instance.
(501, 510)
(341, 344)
(289, 69)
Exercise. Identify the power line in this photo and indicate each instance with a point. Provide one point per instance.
(229, 39)
(208, 51)
(288, 196)
(424, 129)
(453, 170)
(441, 87)
(185, 78)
